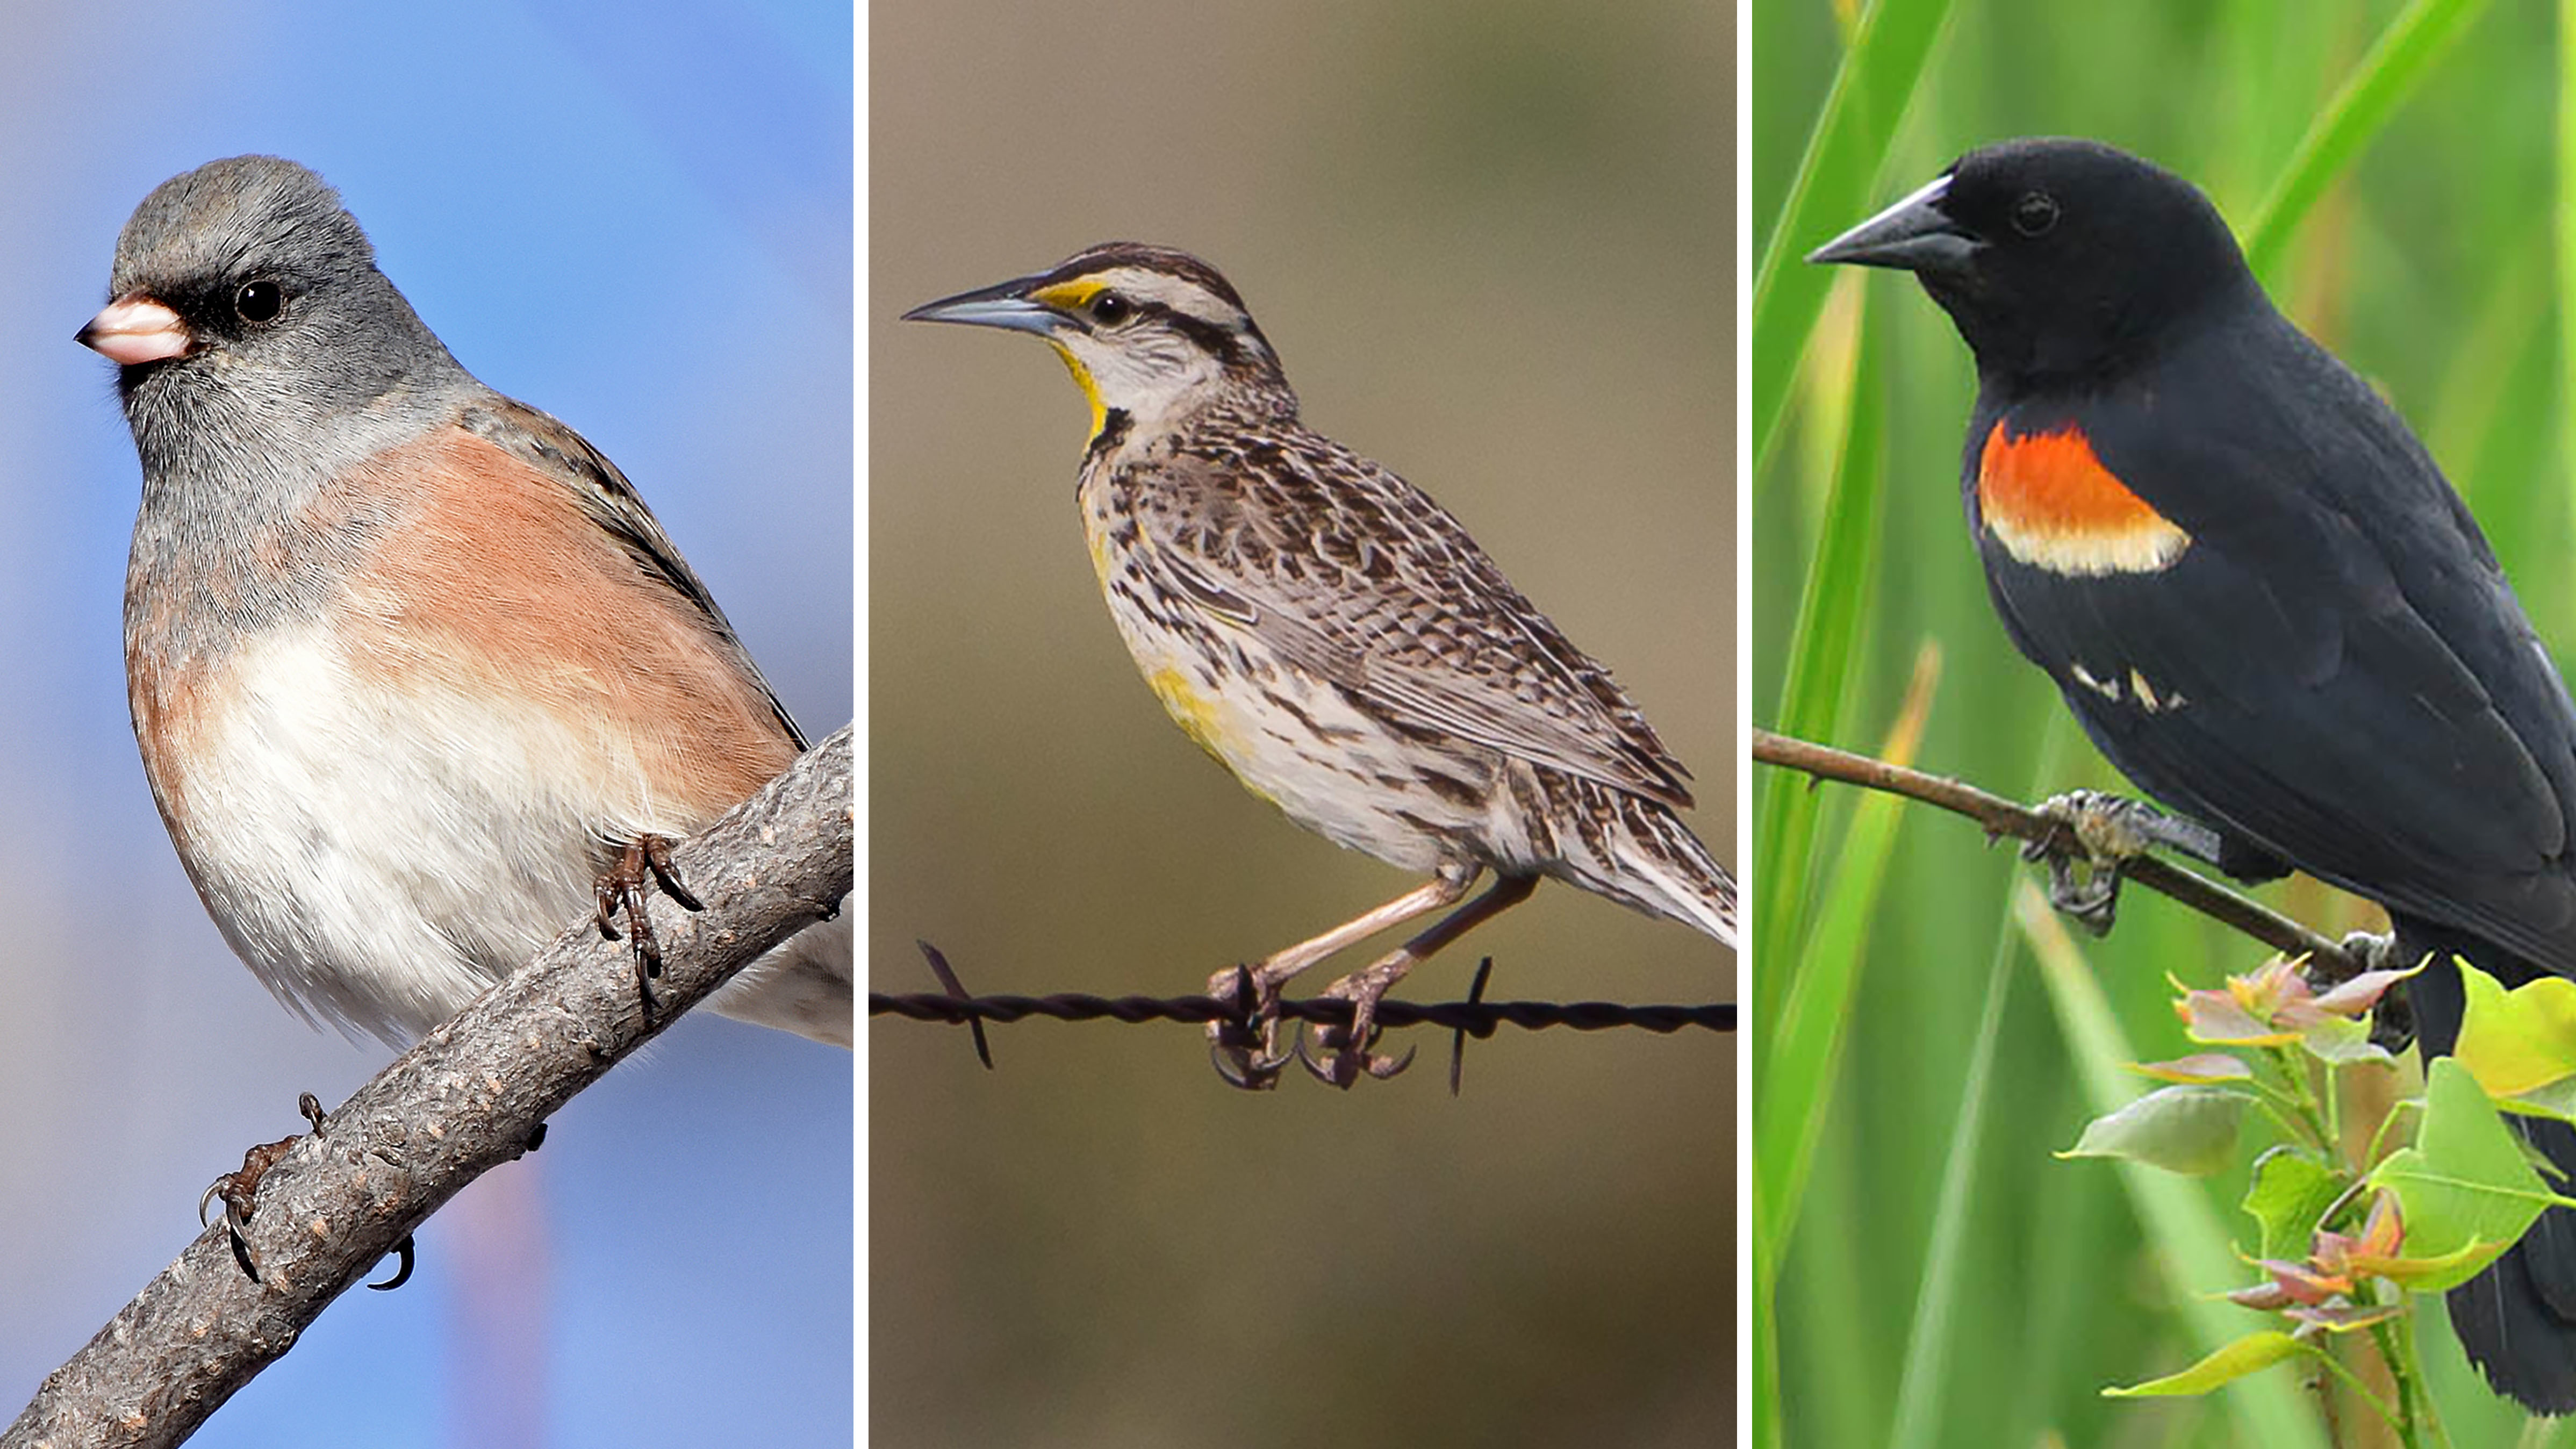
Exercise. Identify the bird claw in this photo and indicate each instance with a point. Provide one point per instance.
(621, 889)
(657, 857)
(404, 1255)
(240, 1190)
(236, 1216)
(2392, 1019)
(2102, 833)
(1243, 1066)
(2108, 827)
(1334, 1071)
(1245, 1049)
(1244, 1070)
(1343, 1052)
(2367, 950)
(2093, 901)
(1342, 1063)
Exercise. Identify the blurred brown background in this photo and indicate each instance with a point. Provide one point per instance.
(1492, 243)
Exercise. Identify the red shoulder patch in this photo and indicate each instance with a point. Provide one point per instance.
(2049, 501)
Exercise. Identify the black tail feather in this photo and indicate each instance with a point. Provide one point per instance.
(2517, 1320)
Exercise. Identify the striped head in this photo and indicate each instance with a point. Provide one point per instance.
(1149, 334)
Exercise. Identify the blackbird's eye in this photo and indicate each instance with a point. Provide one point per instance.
(259, 301)
(1109, 309)
(2035, 213)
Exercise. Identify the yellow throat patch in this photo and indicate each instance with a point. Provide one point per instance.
(1067, 297)
(1090, 389)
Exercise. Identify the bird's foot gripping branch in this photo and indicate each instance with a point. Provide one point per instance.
(2347, 1224)
(2103, 834)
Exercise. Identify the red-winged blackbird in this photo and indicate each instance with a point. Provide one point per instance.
(2262, 600)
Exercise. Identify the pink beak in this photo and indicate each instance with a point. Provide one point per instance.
(134, 329)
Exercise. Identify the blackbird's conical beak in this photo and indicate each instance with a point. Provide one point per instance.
(1914, 235)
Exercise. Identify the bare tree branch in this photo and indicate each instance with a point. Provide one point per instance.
(2000, 816)
(463, 1101)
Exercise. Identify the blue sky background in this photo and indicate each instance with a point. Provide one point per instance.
(639, 219)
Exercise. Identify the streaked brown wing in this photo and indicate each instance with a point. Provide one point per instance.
(1358, 577)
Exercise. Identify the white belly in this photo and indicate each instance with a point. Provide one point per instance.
(379, 855)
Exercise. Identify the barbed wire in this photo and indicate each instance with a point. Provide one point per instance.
(1477, 1018)
(1474, 1016)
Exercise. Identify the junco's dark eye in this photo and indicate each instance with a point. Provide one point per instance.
(1109, 309)
(2035, 213)
(259, 301)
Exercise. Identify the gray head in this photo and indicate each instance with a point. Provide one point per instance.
(244, 289)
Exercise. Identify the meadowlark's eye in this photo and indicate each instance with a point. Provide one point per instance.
(2035, 213)
(1109, 309)
(259, 301)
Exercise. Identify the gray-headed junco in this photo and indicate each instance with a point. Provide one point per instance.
(411, 664)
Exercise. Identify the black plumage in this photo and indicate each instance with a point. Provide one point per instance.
(2259, 595)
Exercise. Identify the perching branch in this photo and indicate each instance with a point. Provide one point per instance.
(2003, 817)
(465, 1100)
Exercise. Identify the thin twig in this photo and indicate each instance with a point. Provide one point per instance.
(469, 1097)
(2001, 817)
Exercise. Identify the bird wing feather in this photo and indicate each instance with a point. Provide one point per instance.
(2360, 693)
(1357, 577)
(609, 501)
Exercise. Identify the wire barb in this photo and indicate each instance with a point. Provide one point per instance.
(956, 992)
(1458, 1035)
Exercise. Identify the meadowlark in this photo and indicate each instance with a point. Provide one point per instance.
(1336, 640)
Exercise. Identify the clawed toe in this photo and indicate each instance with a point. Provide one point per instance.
(1245, 1044)
(2369, 951)
(1246, 1067)
(2089, 896)
(657, 857)
(2392, 1020)
(1245, 1049)
(1341, 1063)
(405, 1255)
(1252, 1049)
(2101, 834)
(240, 1190)
(1344, 1052)
(621, 891)
(2107, 826)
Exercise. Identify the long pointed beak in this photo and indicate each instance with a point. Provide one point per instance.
(1914, 235)
(1003, 305)
(133, 330)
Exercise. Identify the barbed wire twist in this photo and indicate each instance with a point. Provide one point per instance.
(1474, 1016)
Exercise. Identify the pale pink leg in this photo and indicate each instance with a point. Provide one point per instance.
(1345, 1049)
(1276, 969)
